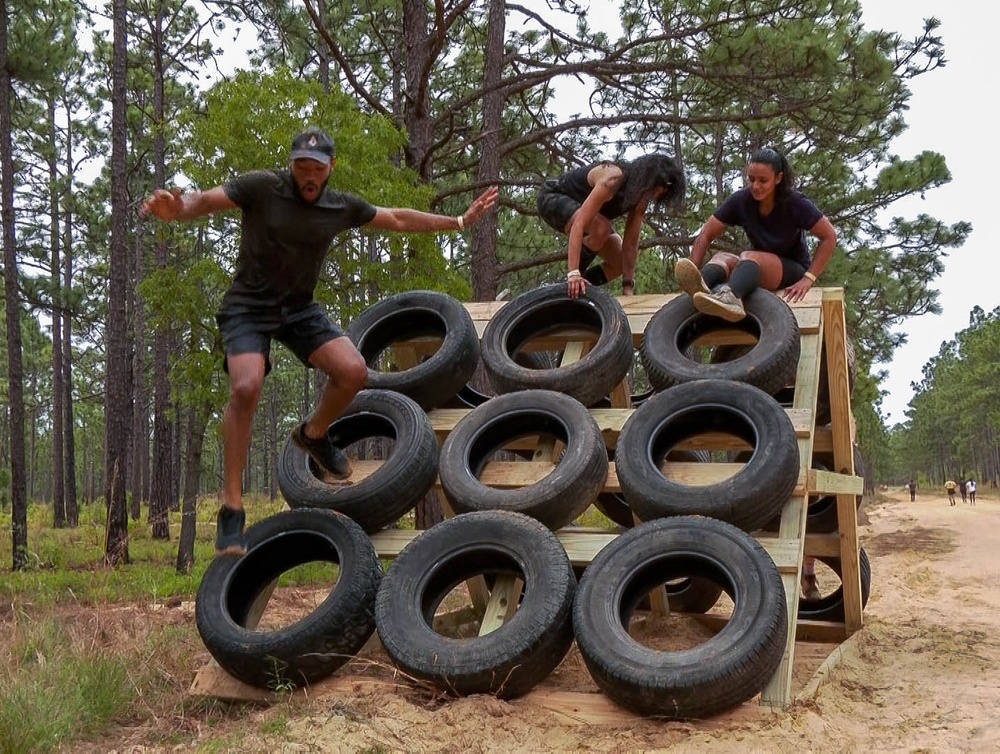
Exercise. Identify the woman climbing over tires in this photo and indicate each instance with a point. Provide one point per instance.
(583, 202)
(774, 216)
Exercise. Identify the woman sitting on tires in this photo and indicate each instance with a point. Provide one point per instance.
(584, 201)
(775, 217)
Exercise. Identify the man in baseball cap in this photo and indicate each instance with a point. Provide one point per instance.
(313, 144)
(289, 219)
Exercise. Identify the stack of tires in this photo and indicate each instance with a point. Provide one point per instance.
(693, 540)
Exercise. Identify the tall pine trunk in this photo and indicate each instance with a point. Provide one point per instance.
(484, 235)
(55, 273)
(196, 424)
(117, 392)
(72, 509)
(160, 494)
(140, 414)
(12, 299)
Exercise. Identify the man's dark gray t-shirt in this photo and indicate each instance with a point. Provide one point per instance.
(284, 239)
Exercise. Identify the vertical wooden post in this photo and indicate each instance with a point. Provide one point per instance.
(843, 453)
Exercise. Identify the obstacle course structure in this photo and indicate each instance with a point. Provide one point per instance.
(821, 375)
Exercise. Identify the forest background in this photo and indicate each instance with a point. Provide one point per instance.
(112, 391)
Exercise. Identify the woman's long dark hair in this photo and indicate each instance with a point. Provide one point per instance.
(777, 162)
(646, 173)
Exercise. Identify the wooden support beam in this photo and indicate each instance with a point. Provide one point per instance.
(778, 692)
(611, 420)
(835, 338)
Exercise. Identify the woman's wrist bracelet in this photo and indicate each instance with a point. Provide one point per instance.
(573, 274)
(629, 283)
(461, 222)
(810, 276)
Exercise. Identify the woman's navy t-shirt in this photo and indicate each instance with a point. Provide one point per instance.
(782, 232)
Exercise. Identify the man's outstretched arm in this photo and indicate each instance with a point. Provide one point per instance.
(173, 205)
(403, 220)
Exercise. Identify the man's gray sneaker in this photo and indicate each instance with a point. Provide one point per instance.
(722, 303)
(324, 452)
(689, 277)
(229, 539)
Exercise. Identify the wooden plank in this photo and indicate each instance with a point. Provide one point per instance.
(611, 420)
(516, 474)
(820, 631)
(582, 545)
(778, 692)
(807, 374)
(580, 707)
(805, 631)
(830, 483)
(826, 545)
(639, 309)
(213, 682)
(843, 452)
(503, 603)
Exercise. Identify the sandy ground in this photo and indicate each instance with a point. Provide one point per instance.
(920, 676)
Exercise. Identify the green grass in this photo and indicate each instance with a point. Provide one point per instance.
(66, 566)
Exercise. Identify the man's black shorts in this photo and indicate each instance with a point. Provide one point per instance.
(249, 329)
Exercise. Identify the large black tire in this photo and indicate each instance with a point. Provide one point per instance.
(726, 670)
(830, 607)
(404, 316)
(770, 365)
(506, 662)
(616, 508)
(315, 646)
(399, 484)
(555, 500)
(748, 499)
(547, 310)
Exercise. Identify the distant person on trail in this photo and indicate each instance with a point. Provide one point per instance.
(949, 487)
(961, 489)
(972, 491)
(583, 202)
(775, 217)
(913, 490)
(289, 218)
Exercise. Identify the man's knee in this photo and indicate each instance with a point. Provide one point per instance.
(343, 364)
(353, 374)
(245, 390)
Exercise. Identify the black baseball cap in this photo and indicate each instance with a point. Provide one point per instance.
(313, 144)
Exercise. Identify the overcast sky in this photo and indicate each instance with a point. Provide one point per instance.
(948, 114)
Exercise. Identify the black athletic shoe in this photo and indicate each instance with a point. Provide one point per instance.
(324, 452)
(229, 539)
